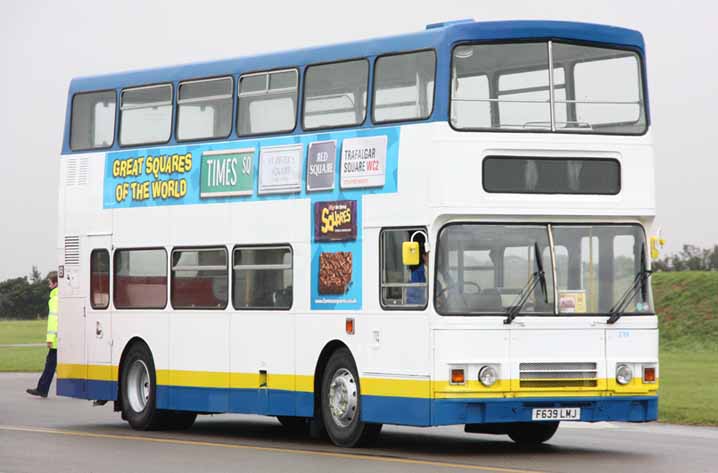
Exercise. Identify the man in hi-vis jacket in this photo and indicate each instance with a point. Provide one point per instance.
(43, 385)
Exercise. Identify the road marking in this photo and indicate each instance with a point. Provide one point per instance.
(199, 443)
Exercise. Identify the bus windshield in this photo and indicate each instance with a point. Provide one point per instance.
(547, 86)
(483, 269)
(596, 265)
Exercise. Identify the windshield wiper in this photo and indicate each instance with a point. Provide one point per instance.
(537, 277)
(639, 283)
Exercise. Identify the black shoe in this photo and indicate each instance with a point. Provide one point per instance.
(35, 392)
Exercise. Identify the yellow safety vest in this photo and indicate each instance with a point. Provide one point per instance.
(52, 319)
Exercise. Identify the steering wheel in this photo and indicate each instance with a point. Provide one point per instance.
(456, 286)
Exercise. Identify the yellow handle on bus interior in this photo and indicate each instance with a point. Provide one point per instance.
(410, 253)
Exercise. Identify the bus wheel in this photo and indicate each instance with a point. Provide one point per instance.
(341, 403)
(138, 389)
(532, 433)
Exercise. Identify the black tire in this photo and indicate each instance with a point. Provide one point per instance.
(532, 433)
(348, 430)
(295, 425)
(148, 417)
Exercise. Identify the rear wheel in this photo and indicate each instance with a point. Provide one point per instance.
(341, 403)
(532, 433)
(138, 391)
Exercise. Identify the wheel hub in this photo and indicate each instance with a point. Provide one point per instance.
(138, 386)
(343, 399)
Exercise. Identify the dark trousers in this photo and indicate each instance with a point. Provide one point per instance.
(46, 379)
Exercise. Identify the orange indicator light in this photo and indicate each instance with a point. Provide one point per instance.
(457, 376)
(649, 375)
(349, 326)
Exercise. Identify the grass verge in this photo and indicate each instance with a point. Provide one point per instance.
(22, 331)
(689, 388)
(22, 359)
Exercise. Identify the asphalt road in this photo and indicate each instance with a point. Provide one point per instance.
(68, 435)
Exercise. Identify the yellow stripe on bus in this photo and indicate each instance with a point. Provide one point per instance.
(388, 387)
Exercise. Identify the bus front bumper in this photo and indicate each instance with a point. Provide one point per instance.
(468, 411)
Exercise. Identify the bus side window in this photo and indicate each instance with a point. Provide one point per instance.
(263, 277)
(93, 120)
(146, 115)
(335, 94)
(404, 287)
(199, 278)
(204, 109)
(100, 279)
(404, 86)
(267, 102)
(140, 278)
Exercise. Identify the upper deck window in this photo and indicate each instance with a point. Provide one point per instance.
(267, 102)
(546, 87)
(606, 94)
(404, 86)
(335, 95)
(204, 109)
(93, 120)
(146, 115)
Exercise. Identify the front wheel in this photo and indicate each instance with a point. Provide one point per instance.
(532, 433)
(341, 403)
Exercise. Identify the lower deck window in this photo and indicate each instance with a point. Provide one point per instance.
(199, 278)
(403, 286)
(99, 279)
(263, 278)
(140, 279)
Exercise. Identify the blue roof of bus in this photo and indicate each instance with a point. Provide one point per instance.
(435, 36)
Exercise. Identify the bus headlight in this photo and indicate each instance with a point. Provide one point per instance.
(488, 376)
(624, 374)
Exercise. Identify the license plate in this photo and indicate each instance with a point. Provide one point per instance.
(556, 413)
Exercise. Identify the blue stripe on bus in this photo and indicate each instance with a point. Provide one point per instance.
(380, 409)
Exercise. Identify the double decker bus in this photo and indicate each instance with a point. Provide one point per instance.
(445, 227)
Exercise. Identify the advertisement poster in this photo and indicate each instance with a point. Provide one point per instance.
(321, 165)
(336, 255)
(280, 169)
(227, 173)
(335, 221)
(572, 302)
(363, 162)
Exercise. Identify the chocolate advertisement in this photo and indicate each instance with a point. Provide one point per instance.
(335, 221)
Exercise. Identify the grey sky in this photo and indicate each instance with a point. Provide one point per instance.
(43, 44)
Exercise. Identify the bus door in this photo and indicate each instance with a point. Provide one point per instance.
(98, 316)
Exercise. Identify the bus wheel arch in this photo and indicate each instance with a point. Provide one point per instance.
(137, 369)
(321, 365)
(123, 359)
(137, 404)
